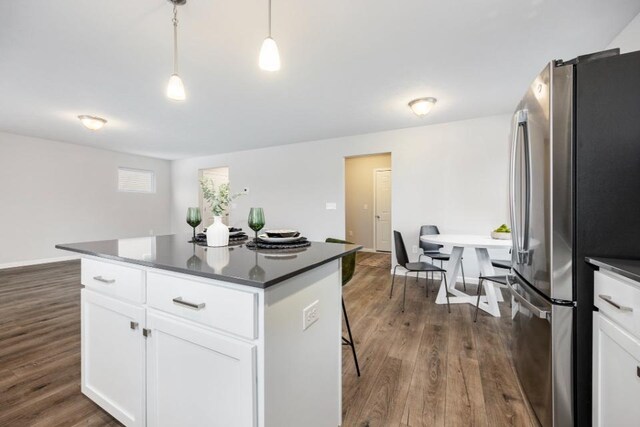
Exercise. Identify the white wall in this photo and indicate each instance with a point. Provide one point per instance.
(454, 175)
(52, 192)
(629, 38)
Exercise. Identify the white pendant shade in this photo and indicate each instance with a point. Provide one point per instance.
(269, 56)
(175, 88)
(422, 106)
(92, 122)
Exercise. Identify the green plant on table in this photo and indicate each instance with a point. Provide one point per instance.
(219, 198)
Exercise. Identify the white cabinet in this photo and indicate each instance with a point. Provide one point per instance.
(163, 349)
(196, 377)
(616, 352)
(113, 356)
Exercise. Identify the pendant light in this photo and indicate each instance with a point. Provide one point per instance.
(175, 87)
(269, 59)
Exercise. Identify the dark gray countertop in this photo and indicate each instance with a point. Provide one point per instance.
(236, 264)
(625, 267)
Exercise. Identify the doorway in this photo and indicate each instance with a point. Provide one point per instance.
(218, 176)
(368, 201)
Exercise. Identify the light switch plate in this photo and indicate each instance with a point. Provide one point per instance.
(310, 315)
(331, 206)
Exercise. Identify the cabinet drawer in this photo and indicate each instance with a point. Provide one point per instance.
(619, 299)
(113, 279)
(219, 307)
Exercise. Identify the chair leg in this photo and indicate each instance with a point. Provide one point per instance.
(393, 279)
(351, 342)
(464, 283)
(446, 289)
(404, 292)
(426, 284)
(475, 317)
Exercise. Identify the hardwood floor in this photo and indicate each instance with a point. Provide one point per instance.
(424, 367)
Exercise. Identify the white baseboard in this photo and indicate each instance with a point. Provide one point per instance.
(368, 250)
(37, 261)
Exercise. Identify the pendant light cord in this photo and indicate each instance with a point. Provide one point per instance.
(269, 18)
(175, 39)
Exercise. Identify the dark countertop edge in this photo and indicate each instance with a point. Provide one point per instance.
(610, 265)
(221, 277)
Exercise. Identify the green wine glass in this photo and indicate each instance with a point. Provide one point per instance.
(194, 218)
(256, 220)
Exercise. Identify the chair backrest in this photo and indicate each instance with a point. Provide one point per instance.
(401, 250)
(348, 261)
(429, 247)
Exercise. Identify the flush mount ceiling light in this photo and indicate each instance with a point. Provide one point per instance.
(269, 59)
(422, 106)
(175, 87)
(92, 122)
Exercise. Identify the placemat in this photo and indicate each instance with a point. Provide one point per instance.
(302, 243)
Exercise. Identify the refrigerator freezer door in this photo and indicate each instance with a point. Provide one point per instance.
(536, 203)
(541, 348)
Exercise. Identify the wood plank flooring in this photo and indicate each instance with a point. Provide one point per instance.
(423, 367)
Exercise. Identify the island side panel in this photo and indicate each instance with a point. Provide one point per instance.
(303, 368)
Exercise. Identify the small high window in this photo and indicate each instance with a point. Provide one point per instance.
(136, 181)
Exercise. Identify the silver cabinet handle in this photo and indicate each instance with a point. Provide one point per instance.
(103, 280)
(193, 305)
(133, 325)
(535, 310)
(607, 298)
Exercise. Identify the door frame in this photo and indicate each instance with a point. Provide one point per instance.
(375, 192)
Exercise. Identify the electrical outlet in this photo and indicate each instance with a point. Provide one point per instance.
(414, 248)
(350, 233)
(365, 207)
(310, 315)
(331, 206)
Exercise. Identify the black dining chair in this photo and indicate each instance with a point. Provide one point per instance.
(432, 250)
(348, 269)
(418, 267)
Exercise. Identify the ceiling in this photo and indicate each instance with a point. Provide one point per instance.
(348, 67)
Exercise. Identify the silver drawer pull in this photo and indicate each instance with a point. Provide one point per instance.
(133, 325)
(607, 298)
(103, 280)
(192, 305)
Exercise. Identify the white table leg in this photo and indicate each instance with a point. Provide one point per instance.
(488, 303)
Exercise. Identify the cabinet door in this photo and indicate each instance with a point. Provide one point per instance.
(113, 356)
(616, 381)
(197, 377)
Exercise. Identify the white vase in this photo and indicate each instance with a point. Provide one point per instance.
(218, 258)
(217, 233)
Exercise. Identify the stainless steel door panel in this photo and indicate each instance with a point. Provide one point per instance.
(561, 185)
(530, 184)
(531, 351)
(541, 349)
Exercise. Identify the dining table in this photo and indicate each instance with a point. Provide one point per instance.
(481, 244)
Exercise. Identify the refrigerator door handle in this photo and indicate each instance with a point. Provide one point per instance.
(521, 237)
(512, 185)
(543, 314)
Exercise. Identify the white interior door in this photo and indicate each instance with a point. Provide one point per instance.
(383, 210)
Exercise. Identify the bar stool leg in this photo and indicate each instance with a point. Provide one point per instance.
(350, 342)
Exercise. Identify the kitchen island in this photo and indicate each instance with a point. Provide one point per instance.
(176, 334)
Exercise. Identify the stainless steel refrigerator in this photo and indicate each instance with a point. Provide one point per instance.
(574, 192)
